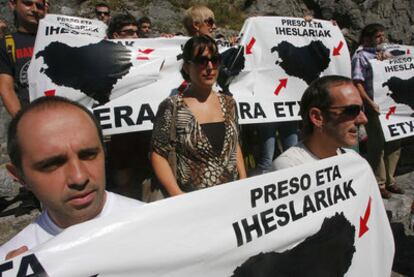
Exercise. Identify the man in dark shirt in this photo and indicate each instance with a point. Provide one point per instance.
(16, 52)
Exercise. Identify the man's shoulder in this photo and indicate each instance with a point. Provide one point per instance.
(364, 54)
(295, 155)
(117, 203)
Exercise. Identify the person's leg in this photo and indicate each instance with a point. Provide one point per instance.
(267, 141)
(288, 133)
(391, 158)
(375, 150)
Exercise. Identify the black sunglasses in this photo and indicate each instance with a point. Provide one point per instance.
(210, 21)
(129, 32)
(203, 61)
(350, 110)
(99, 13)
(28, 3)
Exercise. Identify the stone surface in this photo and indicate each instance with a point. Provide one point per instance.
(396, 15)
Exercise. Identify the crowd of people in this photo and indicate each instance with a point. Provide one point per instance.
(196, 141)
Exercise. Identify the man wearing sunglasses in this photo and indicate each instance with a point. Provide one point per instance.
(16, 52)
(331, 110)
(122, 26)
(382, 156)
(103, 12)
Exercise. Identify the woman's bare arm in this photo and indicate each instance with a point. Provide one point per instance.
(164, 174)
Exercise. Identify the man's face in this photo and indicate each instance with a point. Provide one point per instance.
(63, 163)
(379, 38)
(103, 14)
(343, 116)
(128, 31)
(28, 12)
(145, 29)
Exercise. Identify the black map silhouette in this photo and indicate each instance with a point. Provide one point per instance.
(327, 253)
(232, 63)
(93, 69)
(397, 52)
(306, 62)
(402, 91)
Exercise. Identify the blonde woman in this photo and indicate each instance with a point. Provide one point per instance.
(199, 20)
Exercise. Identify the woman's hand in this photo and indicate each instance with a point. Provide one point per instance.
(165, 174)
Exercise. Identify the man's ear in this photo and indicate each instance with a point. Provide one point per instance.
(115, 35)
(16, 174)
(316, 117)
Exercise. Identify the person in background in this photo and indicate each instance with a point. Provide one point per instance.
(103, 12)
(144, 27)
(13, 68)
(199, 20)
(206, 143)
(382, 156)
(128, 163)
(122, 26)
(66, 171)
(331, 110)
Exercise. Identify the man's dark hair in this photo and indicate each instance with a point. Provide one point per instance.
(118, 22)
(194, 48)
(102, 4)
(43, 103)
(144, 19)
(369, 32)
(317, 95)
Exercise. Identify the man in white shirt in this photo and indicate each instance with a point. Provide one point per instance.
(56, 151)
(331, 110)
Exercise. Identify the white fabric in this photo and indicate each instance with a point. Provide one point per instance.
(239, 225)
(297, 155)
(43, 228)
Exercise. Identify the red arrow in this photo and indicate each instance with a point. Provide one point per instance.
(250, 46)
(336, 50)
(390, 112)
(50, 92)
(282, 84)
(146, 51)
(363, 227)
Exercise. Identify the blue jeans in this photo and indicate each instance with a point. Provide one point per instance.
(288, 133)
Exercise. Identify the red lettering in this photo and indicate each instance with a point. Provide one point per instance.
(24, 53)
(19, 54)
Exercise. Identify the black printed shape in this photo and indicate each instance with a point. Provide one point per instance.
(306, 63)
(93, 69)
(328, 253)
(402, 91)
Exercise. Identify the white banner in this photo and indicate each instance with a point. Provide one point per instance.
(283, 55)
(125, 80)
(393, 83)
(329, 220)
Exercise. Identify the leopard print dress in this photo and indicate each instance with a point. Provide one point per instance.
(198, 164)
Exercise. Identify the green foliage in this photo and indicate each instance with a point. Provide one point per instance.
(228, 15)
